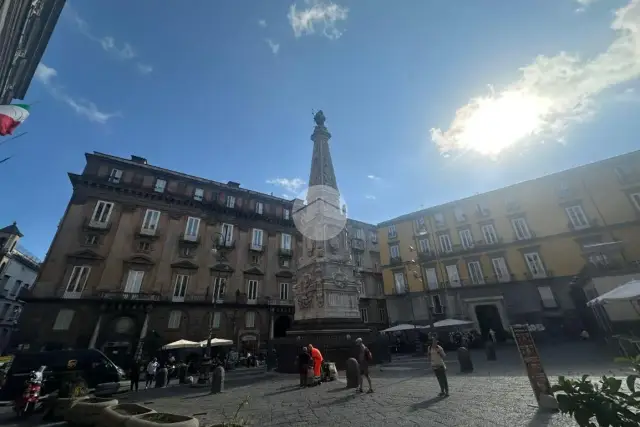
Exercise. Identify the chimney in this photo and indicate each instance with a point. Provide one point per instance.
(138, 159)
(233, 184)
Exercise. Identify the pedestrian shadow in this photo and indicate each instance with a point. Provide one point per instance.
(282, 390)
(339, 389)
(344, 399)
(426, 404)
(541, 419)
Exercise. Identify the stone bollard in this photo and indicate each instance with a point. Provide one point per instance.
(490, 349)
(464, 360)
(217, 381)
(161, 377)
(353, 373)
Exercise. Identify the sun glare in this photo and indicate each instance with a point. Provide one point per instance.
(497, 122)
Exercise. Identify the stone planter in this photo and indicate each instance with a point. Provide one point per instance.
(59, 406)
(87, 412)
(161, 420)
(115, 416)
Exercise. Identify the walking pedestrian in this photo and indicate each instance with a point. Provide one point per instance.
(364, 358)
(152, 367)
(436, 354)
(304, 359)
(134, 374)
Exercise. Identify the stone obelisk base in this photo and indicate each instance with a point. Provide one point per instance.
(335, 338)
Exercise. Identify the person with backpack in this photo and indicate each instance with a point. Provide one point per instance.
(364, 359)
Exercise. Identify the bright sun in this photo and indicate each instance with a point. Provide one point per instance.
(494, 123)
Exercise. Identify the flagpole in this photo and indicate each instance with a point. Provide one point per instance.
(12, 138)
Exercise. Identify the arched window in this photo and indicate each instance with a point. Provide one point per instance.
(250, 319)
(174, 319)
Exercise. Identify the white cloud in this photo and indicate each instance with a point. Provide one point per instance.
(123, 51)
(262, 23)
(292, 185)
(373, 177)
(552, 94)
(317, 15)
(370, 197)
(144, 68)
(87, 109)
(275, 47)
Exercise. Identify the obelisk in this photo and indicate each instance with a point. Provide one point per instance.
(326, 290)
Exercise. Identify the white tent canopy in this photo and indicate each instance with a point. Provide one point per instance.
(216, 342)
(400, 327)
(628, 292)
(181, 344)
(452, 322)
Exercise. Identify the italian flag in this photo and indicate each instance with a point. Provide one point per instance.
(11, 116)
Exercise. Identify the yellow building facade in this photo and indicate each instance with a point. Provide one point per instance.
(510, 255)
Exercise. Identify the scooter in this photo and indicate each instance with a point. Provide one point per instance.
(25, 404)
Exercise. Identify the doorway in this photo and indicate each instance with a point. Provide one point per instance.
(281, 326)
(489, 318)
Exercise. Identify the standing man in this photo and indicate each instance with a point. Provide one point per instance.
(134, 373)
(436, 354)
(364, 358)
(152, 367)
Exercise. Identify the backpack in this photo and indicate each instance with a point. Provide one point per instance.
(367, 355)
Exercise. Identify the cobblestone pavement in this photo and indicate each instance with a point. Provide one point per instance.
(496, 394)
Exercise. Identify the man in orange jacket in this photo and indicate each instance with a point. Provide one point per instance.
(316, 356)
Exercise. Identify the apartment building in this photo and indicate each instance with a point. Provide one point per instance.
(512, 255)
(365, 253)
(18, 272)
(146, 255)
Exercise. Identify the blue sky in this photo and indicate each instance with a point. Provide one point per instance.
(427, 101)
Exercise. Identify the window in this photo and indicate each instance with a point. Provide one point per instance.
(198, 194)
(445, 243)
(460, 216)
(230, 202)
(364, 315)
(219, 288)
(535, 265)
(16, 287)
(102, 213)
(186, 252)
(439, 219)
(160, 185)
(423, 246)
(284, 262)
(134, 281)
(180, 287)
(227, 235)
(481, 210)
(115, 176)
(453, 275)
(475, 273)
(150, 222)
(191, 231)
(399, 282)
(380, 287)
(436, 303)
(259, 208)
(547, 297)
(5, 310)
(489, 234)
(419, 223)
(63, 320)
(256, 239)
(374, 237)
(363, 290)
(432, 278)
(286, 214)
(357, 259)
(521, 228)
(635, 198)
(501, 270)
(175, 317)
(215, 324)
(144, 246)
(252, 291)
(466, 238)
(394, 251)
(250, 320)
(383, 315)
(286, 242)
(577, 217)
(599, 260)
(91, 240)
(391, 231)
(255, 259)
(77, 281)
(359, 233)
(284, 291)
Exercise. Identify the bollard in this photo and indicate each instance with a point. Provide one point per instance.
(217, 381)
(162, 376)
(353, 373)
(464, 360)
(490, 349)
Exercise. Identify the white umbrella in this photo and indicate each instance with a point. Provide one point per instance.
(628, 292)
(451, 322)
(181, 344)
(216, 342)
(400, 327)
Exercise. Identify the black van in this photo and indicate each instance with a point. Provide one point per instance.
(101, 374)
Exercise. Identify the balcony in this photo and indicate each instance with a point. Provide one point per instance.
(189, 238)
(148, 232)
(72, 295)
(91, 224)
(280, 302)
(129, 296)
(285, 253)
(357, 244)
(225, 244)
(392, 236)
(611, 268)
(592, 223)
(395, 260)
(256, 247)
(427, 256)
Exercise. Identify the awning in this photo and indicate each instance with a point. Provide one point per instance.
(630, 291)
(216, 342)
(400, 327)
(181, 344)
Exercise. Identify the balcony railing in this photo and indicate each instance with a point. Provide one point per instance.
(189, 238)
(72, 295)
(357, 244)
(256, 247)
(129, 296)
(285, 253)
(395, 260)
(148, 231)
(97, 225)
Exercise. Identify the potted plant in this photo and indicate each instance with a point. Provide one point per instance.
(235, 420)
(73, 389)
(87, 412)
(113, 416)
(159, 419)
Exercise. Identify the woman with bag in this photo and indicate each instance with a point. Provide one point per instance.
(436, 354)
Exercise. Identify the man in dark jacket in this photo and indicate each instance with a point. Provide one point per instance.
(134, 373)
(304, 360)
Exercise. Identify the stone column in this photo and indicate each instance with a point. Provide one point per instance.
(96, 332)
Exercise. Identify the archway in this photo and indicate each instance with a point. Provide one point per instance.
(281, 326)
(489, 318)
